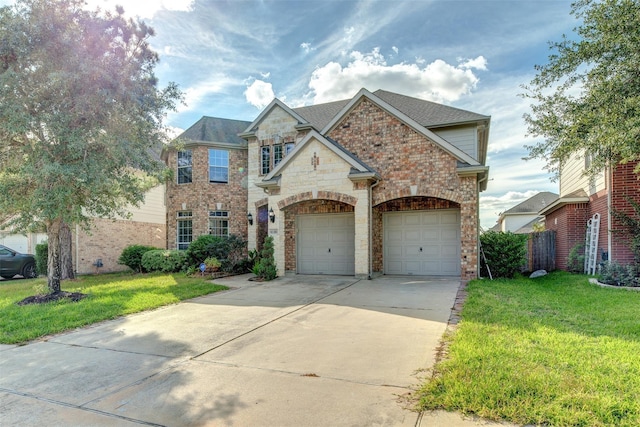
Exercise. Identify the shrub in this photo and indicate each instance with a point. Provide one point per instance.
(265, 268)
(575, 262)
(167, 261)
(131, 256)
(616, 274)
(230, 251)
(42, 258)
(505, 252)
(212, 264)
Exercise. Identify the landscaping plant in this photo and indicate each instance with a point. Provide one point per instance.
(167, 261)
(131, 256)
(265, 268)
(505, 253)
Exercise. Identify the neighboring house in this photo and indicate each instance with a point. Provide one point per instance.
(107, 238)
(522, 218)
(209, 192)
(581, 198)
(380, 183)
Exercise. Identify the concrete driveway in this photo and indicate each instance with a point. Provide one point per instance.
(297, 351)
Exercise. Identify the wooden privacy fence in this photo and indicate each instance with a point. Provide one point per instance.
(541, 251)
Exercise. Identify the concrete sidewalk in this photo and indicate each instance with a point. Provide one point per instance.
(297, 351)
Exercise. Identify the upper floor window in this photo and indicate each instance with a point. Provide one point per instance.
(219, 223)
(218, 165)
(185, 167)
(271, 155)
(265, 160)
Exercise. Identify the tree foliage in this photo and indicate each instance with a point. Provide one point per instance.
(587, 98)
(505, 253)
(81, 117)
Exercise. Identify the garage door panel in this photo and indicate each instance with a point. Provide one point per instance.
(326, 244)
(436, 232)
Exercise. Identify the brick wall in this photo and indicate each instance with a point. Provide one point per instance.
(200, 196)
(625, 184)
(108, 238)
(411, 165)
(598, 204)
(569, 223)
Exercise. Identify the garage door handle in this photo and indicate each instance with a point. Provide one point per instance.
(329, 250)
(420, 249)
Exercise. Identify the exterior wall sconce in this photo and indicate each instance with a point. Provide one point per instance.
(250, 218)
(272, 215)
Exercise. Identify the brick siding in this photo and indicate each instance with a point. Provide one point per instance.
(200, 196)
(626, 184)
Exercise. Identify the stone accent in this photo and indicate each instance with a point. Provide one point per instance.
(201, 196)
(106, 241)
(319, 195)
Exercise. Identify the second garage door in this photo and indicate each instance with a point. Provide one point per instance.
(423, 243)
(326, 244)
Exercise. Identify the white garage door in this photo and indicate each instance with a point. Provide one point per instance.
(326, 244)
(17, 242)
(423, 243)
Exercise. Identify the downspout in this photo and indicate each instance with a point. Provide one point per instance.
(371, 228)
(609, 206)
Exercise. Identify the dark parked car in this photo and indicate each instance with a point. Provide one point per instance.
(13, 263)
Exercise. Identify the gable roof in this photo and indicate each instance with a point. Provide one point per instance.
(359, 169)
(215, 129)
(533, 204)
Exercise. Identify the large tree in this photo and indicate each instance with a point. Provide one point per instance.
(587, 97)
(80, 117)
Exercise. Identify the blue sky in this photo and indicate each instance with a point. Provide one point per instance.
(231, 58)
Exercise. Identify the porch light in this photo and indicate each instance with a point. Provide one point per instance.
(272, 215)
(250, 218)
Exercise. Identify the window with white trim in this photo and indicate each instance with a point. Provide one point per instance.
(278, 154)
(185, 167)
(219, 223)
(265, 160)
(218, 165)
(184, 229)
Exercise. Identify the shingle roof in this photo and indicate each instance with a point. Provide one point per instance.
(426, 113)
(533, 204)
(214, 129)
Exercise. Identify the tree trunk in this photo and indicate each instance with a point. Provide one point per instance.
(66, 255)
(53, 261)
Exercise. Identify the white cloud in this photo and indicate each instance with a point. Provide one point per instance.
(307, 48)
(259, 93)
(143, 9)
(479, 63)
(437, 81)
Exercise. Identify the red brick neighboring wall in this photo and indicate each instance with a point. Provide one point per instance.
(201, 196)
(107, 240)
(625, 184)
(598, 204)
(569, 223)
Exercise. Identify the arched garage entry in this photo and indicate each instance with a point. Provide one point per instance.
(417, 236)
(320, 237)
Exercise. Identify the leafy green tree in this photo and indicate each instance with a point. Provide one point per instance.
(587, 98)
(80, 117)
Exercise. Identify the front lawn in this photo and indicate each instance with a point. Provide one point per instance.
(108, 296)
(555, 350)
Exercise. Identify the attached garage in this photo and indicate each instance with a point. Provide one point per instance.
(326, 244)
(425, 243)
(17, 242)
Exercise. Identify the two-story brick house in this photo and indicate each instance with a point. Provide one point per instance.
(209, 192)
(581, 197)
(377, 184)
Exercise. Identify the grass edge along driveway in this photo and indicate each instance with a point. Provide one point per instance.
(555, 350)
(108, 296)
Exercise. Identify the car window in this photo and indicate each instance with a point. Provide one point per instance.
(5, 252)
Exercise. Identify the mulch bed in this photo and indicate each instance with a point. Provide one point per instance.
(62, 295)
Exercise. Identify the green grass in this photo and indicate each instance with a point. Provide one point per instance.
(555, 350)
(108, 296)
